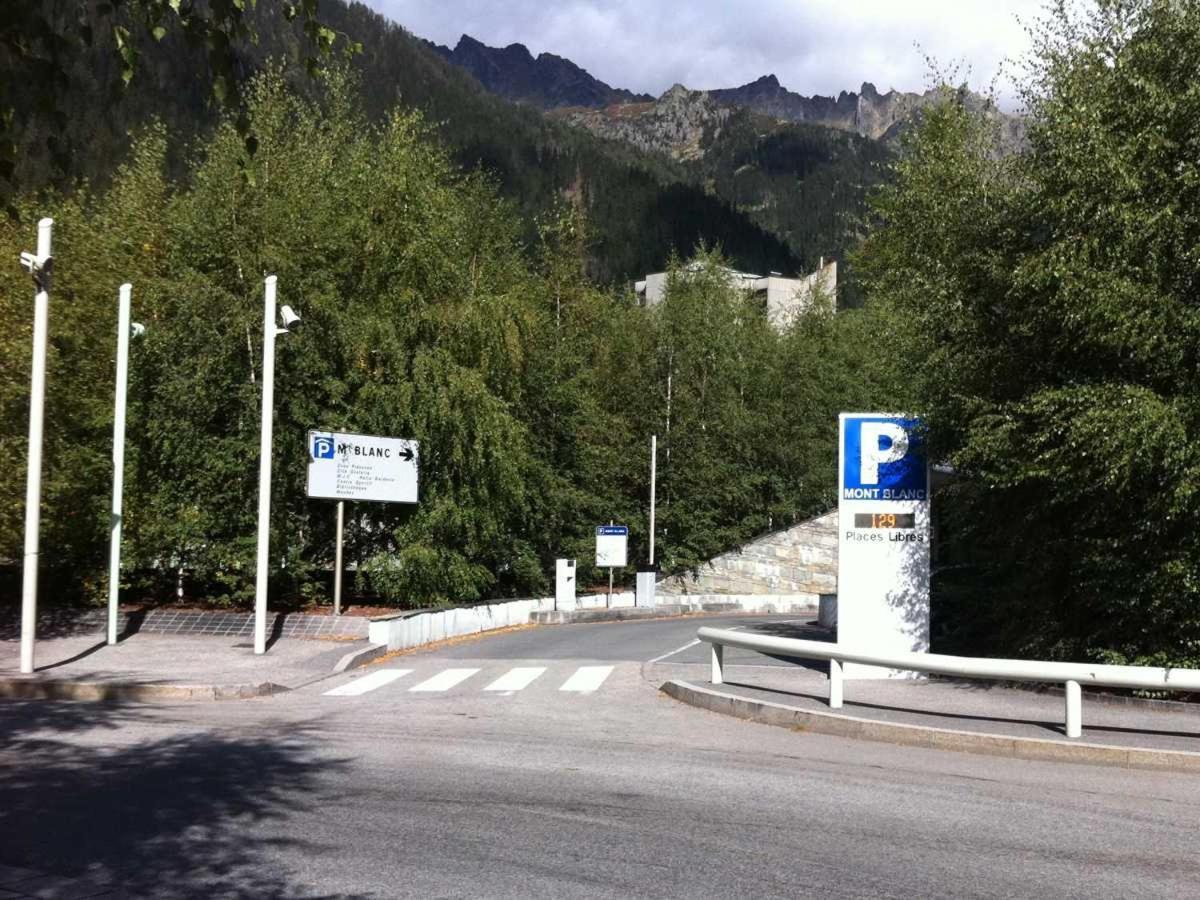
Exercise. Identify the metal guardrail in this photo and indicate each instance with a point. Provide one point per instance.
(1070, 675)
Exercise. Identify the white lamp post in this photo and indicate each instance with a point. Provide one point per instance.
(124, 329)
(39, 265)
(270, 330)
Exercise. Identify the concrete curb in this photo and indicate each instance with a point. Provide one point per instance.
(356, 658)
(110, 691)
(1042, 749)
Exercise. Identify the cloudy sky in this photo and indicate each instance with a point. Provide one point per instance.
(813, 46)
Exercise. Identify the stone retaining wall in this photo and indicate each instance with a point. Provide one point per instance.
(797, 560)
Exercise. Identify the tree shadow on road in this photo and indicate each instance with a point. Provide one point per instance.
(199, 814)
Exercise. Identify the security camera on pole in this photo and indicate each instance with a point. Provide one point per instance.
(125, 330)
(40, 265)
(270, 330)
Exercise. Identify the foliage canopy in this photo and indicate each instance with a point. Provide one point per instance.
(1052, 298)
(533, 393)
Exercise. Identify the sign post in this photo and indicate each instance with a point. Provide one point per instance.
(646, 574)
(612, 542)
(337, 559)
(343, 466)
(883, 538)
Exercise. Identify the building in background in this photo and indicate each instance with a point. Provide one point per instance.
(783, 298)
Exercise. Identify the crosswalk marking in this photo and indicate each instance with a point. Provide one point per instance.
(587, 679)
(368, 683)
(584, 680)
(516, 679)
(443, 681)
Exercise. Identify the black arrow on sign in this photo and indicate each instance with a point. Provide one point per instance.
(406, 454)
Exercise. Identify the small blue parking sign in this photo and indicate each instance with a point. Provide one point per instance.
(323, 445)
(611, 546)
(883, 458)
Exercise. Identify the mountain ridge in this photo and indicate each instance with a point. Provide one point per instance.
(547, 81)
(554, 84)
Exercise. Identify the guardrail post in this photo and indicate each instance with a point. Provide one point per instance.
(1074, 709)
(718, 660)
(835, 684)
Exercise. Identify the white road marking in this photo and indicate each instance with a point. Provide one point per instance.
(587, 679)
(443, 681)
(686, 646)
(516, 679)
(367, 683)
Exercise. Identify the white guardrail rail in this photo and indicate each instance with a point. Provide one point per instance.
(1070, 675)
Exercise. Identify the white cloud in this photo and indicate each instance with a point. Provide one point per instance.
(812, 46)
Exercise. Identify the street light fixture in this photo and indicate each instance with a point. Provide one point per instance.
(270, 330)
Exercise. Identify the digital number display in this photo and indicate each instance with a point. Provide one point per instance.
(885, 520)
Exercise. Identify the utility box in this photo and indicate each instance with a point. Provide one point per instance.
(564, 584)
(645, 586)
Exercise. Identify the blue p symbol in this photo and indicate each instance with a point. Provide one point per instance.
(874, 454)
(322, 446)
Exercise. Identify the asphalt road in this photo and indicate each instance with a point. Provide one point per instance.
(534, 789)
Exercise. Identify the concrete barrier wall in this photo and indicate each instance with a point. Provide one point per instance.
(795, 601)
(620, 600)
(799, 602)
(427, 628)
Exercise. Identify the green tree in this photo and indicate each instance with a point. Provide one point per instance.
(412, 286)
(1052, 299)
(586, 400)
(100, 242)
(532, 391)
(416, 301)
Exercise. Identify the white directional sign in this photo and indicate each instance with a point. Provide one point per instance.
(883, 538)
(361, 467)
(611, 543)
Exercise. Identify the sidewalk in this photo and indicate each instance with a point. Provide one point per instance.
(160, 666)
(959, 715)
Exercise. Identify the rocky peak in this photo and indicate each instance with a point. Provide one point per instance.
(547, 81)
(681, 122)
(766, 86)
(867, 112)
